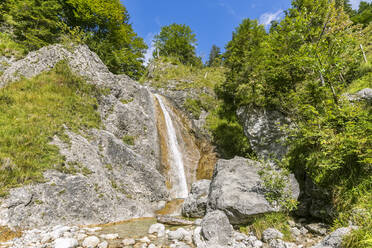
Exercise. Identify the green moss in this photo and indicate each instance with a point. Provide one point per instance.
(278, 221)
(108, 166)
(32, 112)
(126, 101)
(128, 139)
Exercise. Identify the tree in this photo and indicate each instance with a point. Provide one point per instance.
(214, 56)
(364, 14)
(104, 24)
(176, 40)
(34, 22)
(244, 56)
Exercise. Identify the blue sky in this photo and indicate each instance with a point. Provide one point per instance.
(213, 21)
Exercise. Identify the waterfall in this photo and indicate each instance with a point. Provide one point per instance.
(175, 156)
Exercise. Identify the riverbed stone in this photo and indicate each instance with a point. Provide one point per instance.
(65, 243)
(271, 233)
(157, 228)
(90, 242)
(216, 228)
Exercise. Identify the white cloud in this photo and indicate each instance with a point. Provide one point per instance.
(267, 18)
(151, 49)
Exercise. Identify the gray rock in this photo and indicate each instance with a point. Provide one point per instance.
(103, 244)
(263, 127)
(180, 235)
(334, 240)
(295, 231)
(216, 228)
(317, 228)
(196, 203)
(90, 242)
(65, 243)
(278, 243)
(237, 190)
(271, 233)
(364, 94)
(157, 228)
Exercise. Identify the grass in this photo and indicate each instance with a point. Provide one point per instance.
(128, 139)
(278, 221)
(361, 83)
(186, 76)
(33, 111)
(9, 48)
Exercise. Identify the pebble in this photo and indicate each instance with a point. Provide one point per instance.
(111, 236)
(90, 242)
(65, 243)
(128, 242)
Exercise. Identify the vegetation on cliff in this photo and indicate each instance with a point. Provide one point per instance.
(33, 111)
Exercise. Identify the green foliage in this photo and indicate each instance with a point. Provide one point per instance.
(34, 22)
(215, 57)
(9, 48)
(102, 24)
(275, 183)
(364, 14)
(170, 71)
(177, 40)
(278, 221)
(31, 118)
(128, 139)
(228, 136)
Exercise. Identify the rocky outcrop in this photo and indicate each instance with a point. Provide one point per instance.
(364, 94)
(264, 129)
(195, 204)
(237, 189)
(120, 180)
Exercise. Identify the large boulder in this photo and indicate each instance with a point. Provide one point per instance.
(237, 190)
(265, 130)
(195, 204)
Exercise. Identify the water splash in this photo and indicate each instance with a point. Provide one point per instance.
(175, 156)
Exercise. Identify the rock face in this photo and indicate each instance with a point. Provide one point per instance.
(196, 203)
(237, 190)
(123, 178)
(263, 129)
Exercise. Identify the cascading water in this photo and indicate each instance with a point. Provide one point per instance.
(177, 169)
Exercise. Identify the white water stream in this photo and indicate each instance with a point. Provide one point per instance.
(175, 156)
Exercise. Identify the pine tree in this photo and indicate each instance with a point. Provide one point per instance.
(214, 56)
